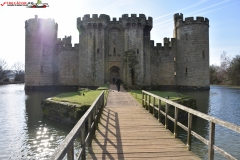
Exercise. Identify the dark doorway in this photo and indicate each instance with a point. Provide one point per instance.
(114, 73)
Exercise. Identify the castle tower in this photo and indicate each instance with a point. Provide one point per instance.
(192, 61)
(136, 46)
(40, 40)
(92, 49)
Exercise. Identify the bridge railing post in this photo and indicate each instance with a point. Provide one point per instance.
(159, 110)
(83, 156)
(142, 99)
(145, 101)
(189, 136)
(89, 142)
(211, 141)
(153, 108)
(175, 122)
(149, 104)
(166, 118)
(70, 152)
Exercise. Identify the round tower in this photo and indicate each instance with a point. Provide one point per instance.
(192, 60)
(40, 40)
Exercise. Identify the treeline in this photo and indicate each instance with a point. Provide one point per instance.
(12, 74)
(228, 72)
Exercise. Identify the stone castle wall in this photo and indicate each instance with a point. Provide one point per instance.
(118, 48)
(163, 63)
(67, 62)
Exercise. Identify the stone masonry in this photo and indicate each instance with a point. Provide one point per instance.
(117, 48)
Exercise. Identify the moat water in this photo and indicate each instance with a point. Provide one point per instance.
(25, 134)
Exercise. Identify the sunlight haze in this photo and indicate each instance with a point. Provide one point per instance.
(223, 18)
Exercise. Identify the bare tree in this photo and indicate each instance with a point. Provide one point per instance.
(234, 70)
(222, 75)
(4, 70)
(18, 68)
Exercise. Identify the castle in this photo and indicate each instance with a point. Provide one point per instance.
(117, 49)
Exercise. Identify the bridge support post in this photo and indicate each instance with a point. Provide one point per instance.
(153, 108)
(159, 110)
(83, 155)
(211, 141)
(189, 137)
(70, 152)
(145, 101)
(175, 122)
(166, 119)
(149, 104)
(89, 142)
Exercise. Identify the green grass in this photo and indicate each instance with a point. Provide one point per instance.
(137, 94)
(103, 87)
(73, 97)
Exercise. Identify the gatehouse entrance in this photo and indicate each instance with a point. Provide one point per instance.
(114, 73)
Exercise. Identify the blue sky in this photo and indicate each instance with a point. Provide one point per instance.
(224, 17)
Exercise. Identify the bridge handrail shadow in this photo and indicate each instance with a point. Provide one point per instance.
(91, 117)
(146, 102)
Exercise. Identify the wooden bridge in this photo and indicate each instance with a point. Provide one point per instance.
(127, 131)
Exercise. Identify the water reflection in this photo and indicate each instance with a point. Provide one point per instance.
(25, 134)
(43, 135)
(221, 102)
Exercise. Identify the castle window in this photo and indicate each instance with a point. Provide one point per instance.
(63, 45)
(186, 36)
(137, 51)
(98, 50)
(186, 70)
(41, 68)
(203, 54)
(114, 51)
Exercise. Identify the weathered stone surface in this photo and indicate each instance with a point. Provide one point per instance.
(118, 48)
(63, 112)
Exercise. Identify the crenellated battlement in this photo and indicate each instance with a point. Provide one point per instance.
(180, 21)
(42, 22)
(133, 20)
(167, 44)
(104, 20)
(66, 44)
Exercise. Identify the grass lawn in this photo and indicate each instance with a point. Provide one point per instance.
(77, 97)
(174, 96)
(73, 97)
(103, 87)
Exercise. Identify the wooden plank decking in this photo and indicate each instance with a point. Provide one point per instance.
(127, 131)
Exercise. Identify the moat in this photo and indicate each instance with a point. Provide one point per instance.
(27, 135)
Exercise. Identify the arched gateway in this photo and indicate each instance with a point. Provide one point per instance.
(114, 73)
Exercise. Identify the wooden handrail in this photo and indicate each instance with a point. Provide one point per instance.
(91, 116)
(146, 102)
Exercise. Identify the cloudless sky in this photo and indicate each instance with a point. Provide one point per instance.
(223, 15)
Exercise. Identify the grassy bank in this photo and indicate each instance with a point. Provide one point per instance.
(86, 97)
(137, 94)
(69, 107)
(83, 97)
(174, 96)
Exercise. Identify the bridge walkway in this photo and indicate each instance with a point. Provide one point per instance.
(127, 131)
